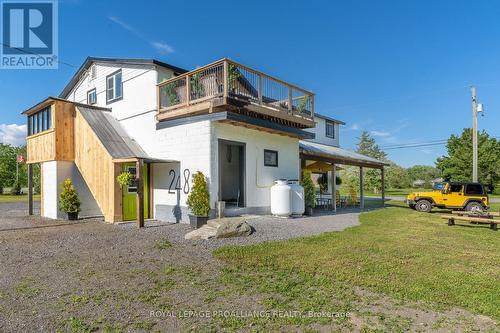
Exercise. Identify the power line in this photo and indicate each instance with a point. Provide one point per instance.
(415, 145)
(39, 55)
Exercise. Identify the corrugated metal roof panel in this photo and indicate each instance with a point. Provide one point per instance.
(111, 134)
(337, 153)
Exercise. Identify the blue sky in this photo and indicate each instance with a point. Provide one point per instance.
(399, 69)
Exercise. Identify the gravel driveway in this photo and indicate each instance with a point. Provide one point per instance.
(89, 275)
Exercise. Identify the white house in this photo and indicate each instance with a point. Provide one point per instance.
(242, 128)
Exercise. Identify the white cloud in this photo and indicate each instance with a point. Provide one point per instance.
(161, 47)
(380, 133)
(13, 134)
(426, 151)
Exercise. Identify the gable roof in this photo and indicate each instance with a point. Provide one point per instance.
(90, 60)
(328, 118)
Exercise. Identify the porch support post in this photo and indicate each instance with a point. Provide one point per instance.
(30, 189)
(302, 167)
(140, 192)
(382, 173)
(334, 187)
(361, 194)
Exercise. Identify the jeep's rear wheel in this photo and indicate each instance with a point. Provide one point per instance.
(474, 207)
(423, 206)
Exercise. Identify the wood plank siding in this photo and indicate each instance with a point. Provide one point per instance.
(72, 139)
(98, 169)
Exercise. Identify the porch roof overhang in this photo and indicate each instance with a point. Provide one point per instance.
(320, 152)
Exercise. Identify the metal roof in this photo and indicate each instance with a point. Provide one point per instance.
(90, 60)
(338, 154)
(111, 134)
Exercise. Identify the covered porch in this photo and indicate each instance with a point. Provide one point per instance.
(327, 160)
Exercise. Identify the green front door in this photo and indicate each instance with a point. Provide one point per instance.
(130, 194)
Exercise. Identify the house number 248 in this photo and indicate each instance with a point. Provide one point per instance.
(175, 183)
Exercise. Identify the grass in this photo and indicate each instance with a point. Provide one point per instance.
(399, 252)
(163, 244)
(17, 198)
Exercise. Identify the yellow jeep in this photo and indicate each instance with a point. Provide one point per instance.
(453, 195)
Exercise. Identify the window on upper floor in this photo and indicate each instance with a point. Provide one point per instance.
(91, 97)
(40, 121)
(330, 129)
(114, 87)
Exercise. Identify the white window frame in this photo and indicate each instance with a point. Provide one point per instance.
(89, 94)
(111, 84)
(329, 123)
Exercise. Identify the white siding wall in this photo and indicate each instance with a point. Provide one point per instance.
(49, 188)
(320, 132)
(139, 88)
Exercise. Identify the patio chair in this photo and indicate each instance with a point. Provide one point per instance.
(340, 202)
(353, 198)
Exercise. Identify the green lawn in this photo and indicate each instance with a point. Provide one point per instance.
(399, 252)
(17, 198)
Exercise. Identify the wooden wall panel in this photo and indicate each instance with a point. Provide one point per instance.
(64, 127)
(98, 169)
(41, 147)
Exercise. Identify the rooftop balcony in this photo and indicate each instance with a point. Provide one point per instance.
(228, 86)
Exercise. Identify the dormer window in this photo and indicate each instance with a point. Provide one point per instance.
(330, 129)
(114, 87)
(91, 97)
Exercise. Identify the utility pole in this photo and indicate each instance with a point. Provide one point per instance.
(474, 134)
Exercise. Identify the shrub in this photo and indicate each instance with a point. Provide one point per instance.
(338, 180)
(199, 199)
(15, 189)
(309, 195)
(68, 199)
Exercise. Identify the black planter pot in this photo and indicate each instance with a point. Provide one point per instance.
(197, 221)
(308, 211)
(73, 216)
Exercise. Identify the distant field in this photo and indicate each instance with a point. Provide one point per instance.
(17, 198)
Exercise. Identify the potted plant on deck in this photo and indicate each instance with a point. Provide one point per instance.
(198, 201)
(68, 200)
(309, 195)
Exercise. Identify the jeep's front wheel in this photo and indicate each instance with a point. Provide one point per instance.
(423, 206)
(474, 207)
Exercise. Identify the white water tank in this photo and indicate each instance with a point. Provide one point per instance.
(297, 197)
(281, 204)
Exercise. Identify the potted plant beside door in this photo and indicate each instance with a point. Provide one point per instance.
(309, 195)
(69, 201)
(198, 201)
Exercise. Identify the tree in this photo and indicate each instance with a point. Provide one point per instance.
(367, 146)
(457, 165)
(7, 165)
(396, 176)
(426, 173)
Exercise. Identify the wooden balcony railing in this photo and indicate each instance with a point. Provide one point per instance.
(228, 79)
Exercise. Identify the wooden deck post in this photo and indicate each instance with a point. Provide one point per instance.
(226, 79)
(30, 189)
(140, 192)
(361, 185)
(334, 187)
(382, 173)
